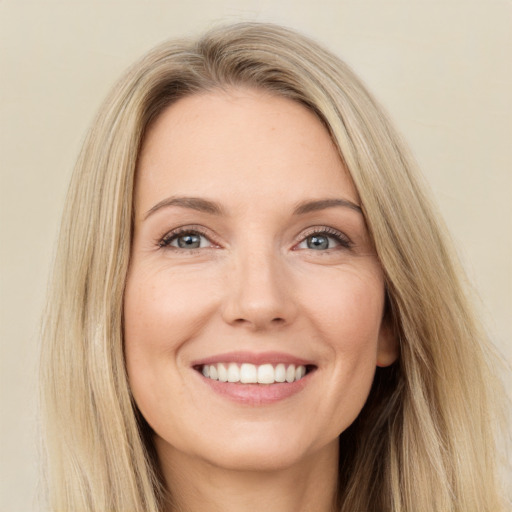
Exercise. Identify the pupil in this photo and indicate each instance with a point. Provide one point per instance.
(318, 242)
(189, 241)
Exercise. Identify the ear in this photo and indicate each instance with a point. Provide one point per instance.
(387, 349)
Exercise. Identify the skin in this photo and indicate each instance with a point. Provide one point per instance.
(254, 284)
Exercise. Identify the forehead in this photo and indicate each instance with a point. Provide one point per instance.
(242, 144)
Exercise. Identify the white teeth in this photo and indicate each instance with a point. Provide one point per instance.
(266, 374)
(247, 373)
(290, 373)
(233, 373)
(280, 373)
(222, 372)
(300, 372)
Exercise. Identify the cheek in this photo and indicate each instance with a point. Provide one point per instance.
(347, 307)
(355, 332)
(347, 314)
(163, 309)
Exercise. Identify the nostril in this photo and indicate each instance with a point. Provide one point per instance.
(273, 321)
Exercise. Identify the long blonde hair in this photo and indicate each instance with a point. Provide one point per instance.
(425, 439)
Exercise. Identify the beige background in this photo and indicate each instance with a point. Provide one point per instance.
(442, 68)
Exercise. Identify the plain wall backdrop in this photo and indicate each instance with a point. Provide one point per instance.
(443, 69)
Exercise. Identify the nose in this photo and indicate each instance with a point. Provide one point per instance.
(259, 292)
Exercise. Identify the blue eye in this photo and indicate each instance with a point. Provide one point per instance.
(318, 242)
(185, 240)
(324, 240)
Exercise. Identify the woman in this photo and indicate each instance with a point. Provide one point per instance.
(254, 305)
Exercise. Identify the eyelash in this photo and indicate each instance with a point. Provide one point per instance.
(340, 237)
(167, 239)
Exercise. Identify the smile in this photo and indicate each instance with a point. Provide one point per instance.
(247, 373)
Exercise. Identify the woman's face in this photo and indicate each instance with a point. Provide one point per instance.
(251, 264)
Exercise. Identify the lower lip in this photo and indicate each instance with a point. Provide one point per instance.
(256, 394)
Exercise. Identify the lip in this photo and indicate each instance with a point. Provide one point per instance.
(253, 358)
(255, 394)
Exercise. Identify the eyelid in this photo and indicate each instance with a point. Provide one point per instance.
(341, 237)
(164, 241)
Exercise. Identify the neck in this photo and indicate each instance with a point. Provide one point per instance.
(196, 485)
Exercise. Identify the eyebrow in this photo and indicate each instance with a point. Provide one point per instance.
(193, 203)
(213, 208)
(322, 204)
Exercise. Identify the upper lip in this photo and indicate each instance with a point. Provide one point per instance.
(256, 358)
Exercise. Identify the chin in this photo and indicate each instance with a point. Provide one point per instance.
(254, 459)
(262, 452)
